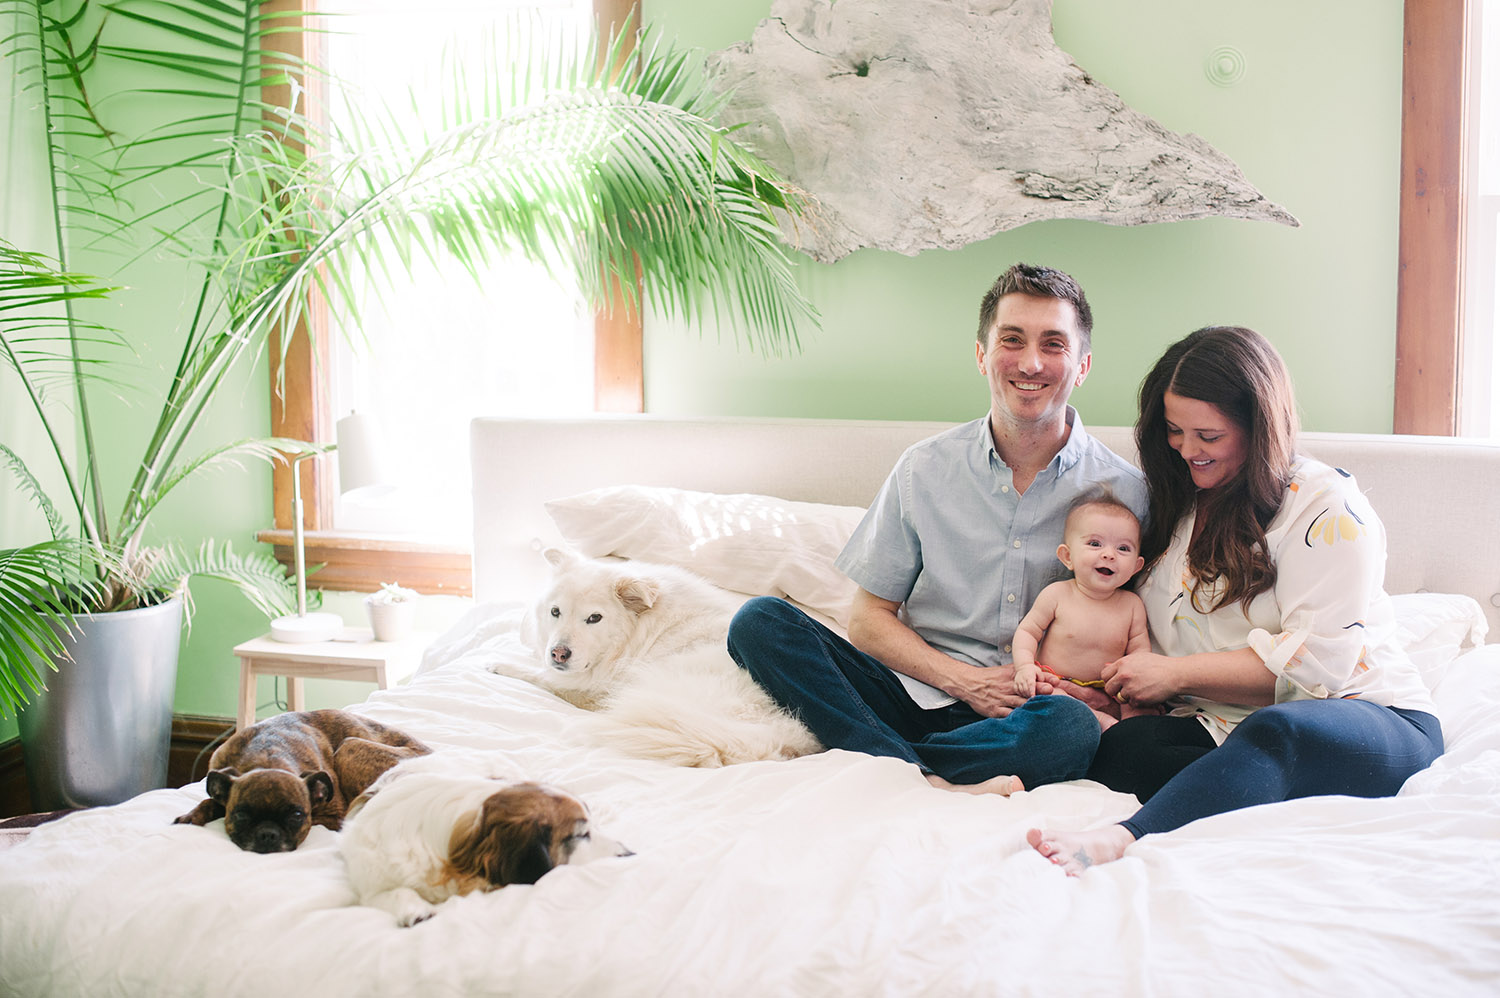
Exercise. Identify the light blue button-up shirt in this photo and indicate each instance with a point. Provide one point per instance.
(965, 554)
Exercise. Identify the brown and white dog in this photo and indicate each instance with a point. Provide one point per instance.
(273, 781)
(419, 838)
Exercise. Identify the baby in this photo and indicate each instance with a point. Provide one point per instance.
(1078, 625)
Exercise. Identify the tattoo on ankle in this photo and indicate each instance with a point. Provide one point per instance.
(1083, 859)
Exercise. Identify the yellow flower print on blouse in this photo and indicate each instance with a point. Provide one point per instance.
(1331, 526)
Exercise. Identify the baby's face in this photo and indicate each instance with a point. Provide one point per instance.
(1104, 547)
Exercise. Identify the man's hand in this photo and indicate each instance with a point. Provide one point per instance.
(992, 691)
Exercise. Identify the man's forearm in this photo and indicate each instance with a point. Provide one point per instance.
(878, 632)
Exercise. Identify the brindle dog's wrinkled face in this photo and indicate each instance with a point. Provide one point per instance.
(268, 810)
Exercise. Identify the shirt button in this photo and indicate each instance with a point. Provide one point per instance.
(1007, 649)
(1005, 488)
(1010, 597)
(1015, 544)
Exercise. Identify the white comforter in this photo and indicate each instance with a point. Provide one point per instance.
(836, 874)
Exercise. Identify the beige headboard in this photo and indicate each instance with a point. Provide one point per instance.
(1439, 497)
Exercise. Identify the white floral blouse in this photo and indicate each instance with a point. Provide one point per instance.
(1325, 629)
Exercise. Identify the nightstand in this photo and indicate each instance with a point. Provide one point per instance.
(354, 654)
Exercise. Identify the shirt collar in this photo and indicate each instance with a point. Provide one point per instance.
(1072, 451)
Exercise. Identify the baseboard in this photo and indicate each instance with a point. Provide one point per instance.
(193, 738)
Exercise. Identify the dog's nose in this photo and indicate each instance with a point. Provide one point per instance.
(267, 839)
(561, 654)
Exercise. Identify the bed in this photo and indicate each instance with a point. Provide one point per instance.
(831, 874)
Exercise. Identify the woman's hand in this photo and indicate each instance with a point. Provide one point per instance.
(1094, 697)
(1143, 679)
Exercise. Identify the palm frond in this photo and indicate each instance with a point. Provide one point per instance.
(41, 586)
(259, 577)
(268, 449)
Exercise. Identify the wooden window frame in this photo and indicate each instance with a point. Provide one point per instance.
(301, 409)
(1430, 282)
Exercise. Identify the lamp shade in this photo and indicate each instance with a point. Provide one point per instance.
(361, 462)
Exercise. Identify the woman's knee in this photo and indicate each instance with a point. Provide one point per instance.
(1279, 729)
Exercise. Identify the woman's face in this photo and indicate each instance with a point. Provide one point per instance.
(1213, 446)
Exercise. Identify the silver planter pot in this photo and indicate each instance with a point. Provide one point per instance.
(101, 731)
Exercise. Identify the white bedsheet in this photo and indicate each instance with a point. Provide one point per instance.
(835, 874)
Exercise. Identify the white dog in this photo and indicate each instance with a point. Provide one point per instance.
(644, 645)
(419, 838)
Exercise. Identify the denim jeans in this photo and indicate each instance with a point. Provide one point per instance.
(1304, 748)
(851, 701)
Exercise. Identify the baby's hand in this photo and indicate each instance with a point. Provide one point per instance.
(1026, 676)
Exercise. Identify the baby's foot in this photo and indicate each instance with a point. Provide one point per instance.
(1077, 851)
(1002, 785)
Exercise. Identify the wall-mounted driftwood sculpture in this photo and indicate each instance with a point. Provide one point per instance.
(936, 123)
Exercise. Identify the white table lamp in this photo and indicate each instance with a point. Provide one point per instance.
(302, 626)
(359, 467)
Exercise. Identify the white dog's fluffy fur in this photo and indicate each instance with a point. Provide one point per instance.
(418, 838)
(644, 646)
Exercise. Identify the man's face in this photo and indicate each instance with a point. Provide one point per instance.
(1032, 358)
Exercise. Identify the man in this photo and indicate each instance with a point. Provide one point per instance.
(960, 540)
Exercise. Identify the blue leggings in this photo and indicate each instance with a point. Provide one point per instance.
(1304, 748)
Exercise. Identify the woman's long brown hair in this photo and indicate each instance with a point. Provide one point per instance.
(1238, 372)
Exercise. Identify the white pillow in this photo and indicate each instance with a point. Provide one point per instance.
(1439, 622)
(749, 543)
(1435, 628)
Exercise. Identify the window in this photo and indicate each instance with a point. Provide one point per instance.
(1479, 391)
(427, 355)
(308, 409)
(1447, 284)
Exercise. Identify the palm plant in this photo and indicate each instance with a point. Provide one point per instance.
(607, 166)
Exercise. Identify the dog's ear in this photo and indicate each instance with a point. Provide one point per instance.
(220, 782)
(319, 787)
(637, 595)
(509, 842)
(557, 556)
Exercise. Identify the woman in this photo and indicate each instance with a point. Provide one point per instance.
(1274, 638)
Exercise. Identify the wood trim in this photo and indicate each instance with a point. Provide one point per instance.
(619, 356)
(15, 793)
(359, 563)
(1429, 295)
(301, 408)
(619, 351)
(299, 396)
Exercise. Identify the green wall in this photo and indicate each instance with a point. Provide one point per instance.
(1314, 124)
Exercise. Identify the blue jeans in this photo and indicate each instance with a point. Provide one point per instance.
(851, 701)
(1304, 748)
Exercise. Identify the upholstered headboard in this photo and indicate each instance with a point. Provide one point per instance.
(1439, 497)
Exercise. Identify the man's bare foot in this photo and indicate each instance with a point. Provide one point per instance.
(1002, 785)
(1077, 851)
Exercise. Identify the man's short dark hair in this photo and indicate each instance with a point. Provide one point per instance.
(1043, 282)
